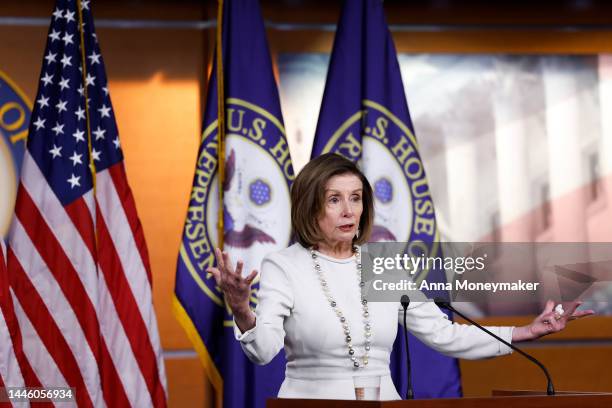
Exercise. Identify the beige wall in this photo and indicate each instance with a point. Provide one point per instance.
(156, 80)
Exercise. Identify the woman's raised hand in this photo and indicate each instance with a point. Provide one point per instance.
(235, 288)
(550, 321)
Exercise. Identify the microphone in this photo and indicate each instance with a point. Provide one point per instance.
(405, 301)
(550, 389)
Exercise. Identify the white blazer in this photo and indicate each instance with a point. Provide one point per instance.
(293, 312)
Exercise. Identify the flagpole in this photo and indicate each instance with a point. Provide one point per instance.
(220, 147)
(92, 165)
(220, 122)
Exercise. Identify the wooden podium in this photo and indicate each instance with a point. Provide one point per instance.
(523, 399)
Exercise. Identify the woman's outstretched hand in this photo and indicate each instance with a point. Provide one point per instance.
(235, 288)
(551, 320)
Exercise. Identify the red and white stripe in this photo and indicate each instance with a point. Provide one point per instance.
(10, 372)
(123, 261)
(15, 368)
(83, 300)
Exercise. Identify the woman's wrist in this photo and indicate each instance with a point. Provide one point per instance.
(241, 310)
(522, 333)
(244, 318)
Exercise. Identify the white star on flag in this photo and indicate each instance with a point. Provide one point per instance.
(79, 135)
(67, 39)
(56, 151)
(54, 35)
(95, 154)
(76, 158)
(58, 129)
(61, 106)
(43, 101)
(64, 84)
(40, 123)
(95, 58)
(104, 111)
(116, 142)
(50, 57)
(66, 61)
(47, 79)
(58, 13)
(69, 16)
(89, 79)
(80, 113)
(99, 133)
(74, 181)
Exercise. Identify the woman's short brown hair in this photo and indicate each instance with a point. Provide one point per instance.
(308, 198)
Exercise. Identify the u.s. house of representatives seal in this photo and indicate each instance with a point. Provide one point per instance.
(15, 111)
(390, 160)
(258, 172)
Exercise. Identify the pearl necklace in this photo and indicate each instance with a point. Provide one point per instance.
(367, 328)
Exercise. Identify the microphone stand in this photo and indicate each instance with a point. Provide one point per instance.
(410, 393)
(550, 389)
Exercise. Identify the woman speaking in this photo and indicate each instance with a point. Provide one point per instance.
(310, 298)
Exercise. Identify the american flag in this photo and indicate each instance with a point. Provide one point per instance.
(77, 259)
